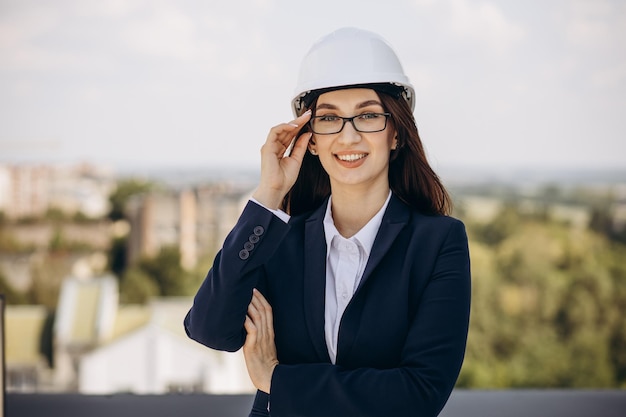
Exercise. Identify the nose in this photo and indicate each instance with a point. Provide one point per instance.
(349, 134)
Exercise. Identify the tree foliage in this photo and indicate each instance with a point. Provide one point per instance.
(161, 275)
(11, 295)
(123, 192)
(548, 307)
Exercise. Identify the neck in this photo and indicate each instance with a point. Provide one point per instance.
(352, 209)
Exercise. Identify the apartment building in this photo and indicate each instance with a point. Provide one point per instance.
(194, 220)
(31, 190)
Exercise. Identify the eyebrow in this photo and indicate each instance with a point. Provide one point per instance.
(359, 106)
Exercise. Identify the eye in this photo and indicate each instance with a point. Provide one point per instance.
(327, 118)
(370, 116)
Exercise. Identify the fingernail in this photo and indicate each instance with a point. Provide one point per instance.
(309, 111)
(292, 124)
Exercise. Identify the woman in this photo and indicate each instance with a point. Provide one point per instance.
(344, 280)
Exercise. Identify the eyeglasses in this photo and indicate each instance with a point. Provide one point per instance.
(364, 123)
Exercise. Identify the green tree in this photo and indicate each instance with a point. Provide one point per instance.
(548, 306)
(166, 271)
(118, 256)
(137, 287)
(48, 275)
(503, 225)
(161, 275)
(123, 192)
(12, 296)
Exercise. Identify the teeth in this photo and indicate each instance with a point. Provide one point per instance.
(351, 157)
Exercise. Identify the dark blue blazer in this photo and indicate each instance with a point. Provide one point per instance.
(402, 336)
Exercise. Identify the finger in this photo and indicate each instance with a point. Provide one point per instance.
(261, 304)
(256, 319)
(260, 317)
(284, 132)
(251, 337)
(248, 324)
(265, 309)
(254, 313)
(302, 119)
(260, 300)
(279, 139)
(297, 122)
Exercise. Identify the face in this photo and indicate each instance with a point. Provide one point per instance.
(352, 158)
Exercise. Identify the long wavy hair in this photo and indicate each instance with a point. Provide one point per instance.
(411, 178)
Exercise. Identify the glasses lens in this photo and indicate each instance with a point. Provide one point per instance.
(325, 125)
(370, 122)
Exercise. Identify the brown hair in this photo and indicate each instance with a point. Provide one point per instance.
(411, 178)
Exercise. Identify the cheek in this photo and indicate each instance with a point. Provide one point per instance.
(325, 159)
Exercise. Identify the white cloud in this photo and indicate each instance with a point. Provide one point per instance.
(610, 77)
(424, 3)
(115, 9)
(41, 37)
(166, 32)
(476, 20)
(597, 24)
(484, 22)
(91, 94)
(17, 33)
(421, 77)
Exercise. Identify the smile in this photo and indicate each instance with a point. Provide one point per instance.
(351, 157)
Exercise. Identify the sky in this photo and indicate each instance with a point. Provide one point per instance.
(198, 84)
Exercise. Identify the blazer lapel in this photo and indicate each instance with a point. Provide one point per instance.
(315, 280)
(394, 220)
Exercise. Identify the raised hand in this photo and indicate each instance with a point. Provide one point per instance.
(259, 349)
(278, 170)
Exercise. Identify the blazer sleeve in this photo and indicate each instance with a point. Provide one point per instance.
(431, 358)
(220, 306)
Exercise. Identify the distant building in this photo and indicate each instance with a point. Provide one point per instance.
(24, 190)
(100, 347)
(81, 188)
(159, 358)
(196, 221)
(85, 319)
(27, 369)
(31, 190)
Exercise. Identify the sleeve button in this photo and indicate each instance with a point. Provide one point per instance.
(253, 239)
(248, 246)
(259, 230)
(244, 254)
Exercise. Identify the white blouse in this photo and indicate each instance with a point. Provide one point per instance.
(345, 263)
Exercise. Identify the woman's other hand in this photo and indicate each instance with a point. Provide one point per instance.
(259, 349)
(278, 171)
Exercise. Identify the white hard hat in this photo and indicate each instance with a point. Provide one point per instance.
(350, 57)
